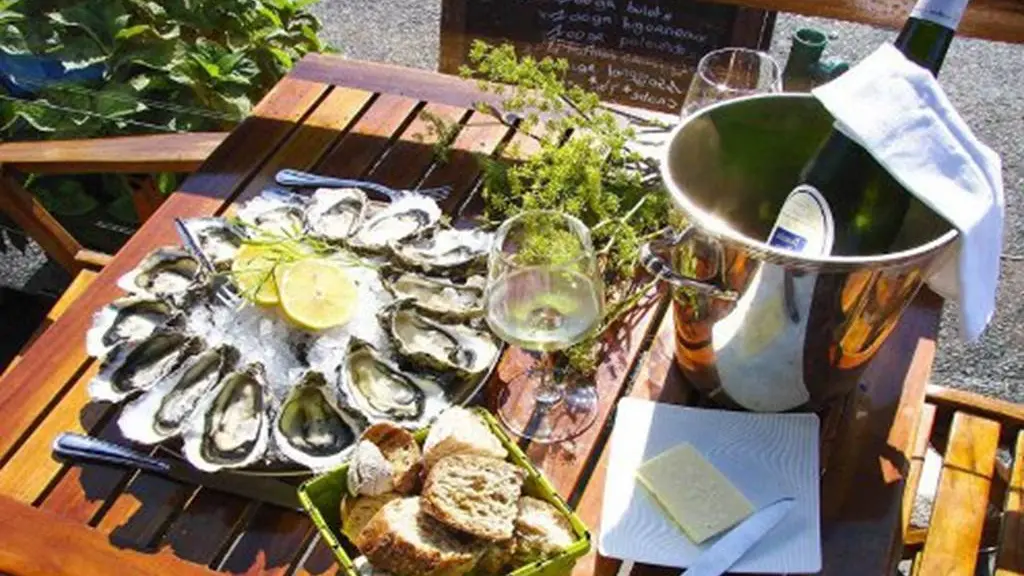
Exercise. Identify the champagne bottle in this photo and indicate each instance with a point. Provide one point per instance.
(846, 203)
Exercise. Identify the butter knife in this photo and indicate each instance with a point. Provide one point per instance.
(734, 544)
(268, 490)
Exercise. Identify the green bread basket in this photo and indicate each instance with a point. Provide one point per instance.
(321, 496)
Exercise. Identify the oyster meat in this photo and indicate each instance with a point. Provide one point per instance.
(164, 410)
(130, 318)
(218, 240)
(311, 429)
(230, 428)
(447, 252)
(378, 388)
(165, 272)
(275, 212)
(335, 213)
(439, 345)
(132, 367)
(406, 217)
(437, 297)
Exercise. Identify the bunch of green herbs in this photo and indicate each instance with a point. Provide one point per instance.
(582, 165)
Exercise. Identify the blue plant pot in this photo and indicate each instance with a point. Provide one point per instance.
(24, 75)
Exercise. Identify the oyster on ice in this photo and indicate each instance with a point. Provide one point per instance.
(275, 212)
(438, 345)
(406, 217)
(129, 318)
(435, 296)
(335, 213)
(230, 428)
(217, 239)
(377, 387)
(311, 429)
(164, 410)
(132, 367)
(165, 272)
(447, 252)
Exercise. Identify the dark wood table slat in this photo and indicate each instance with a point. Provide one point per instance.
(311, 140)
(36, 543)
(918, 453)
(371, 135)
(413, 153)
(954, 531)
(1010, 556)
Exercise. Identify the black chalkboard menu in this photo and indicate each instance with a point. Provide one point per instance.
(636, 52)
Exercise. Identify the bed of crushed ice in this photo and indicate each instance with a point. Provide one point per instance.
(262, 334)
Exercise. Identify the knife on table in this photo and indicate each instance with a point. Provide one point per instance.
(268, 490)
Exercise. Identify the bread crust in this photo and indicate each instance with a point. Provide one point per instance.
(474, 494)
(389, 545)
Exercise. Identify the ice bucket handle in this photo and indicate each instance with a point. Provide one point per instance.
(656, 265)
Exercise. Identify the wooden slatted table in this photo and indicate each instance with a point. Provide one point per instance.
(362, 120)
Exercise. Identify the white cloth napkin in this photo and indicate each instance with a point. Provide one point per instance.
(898, 112)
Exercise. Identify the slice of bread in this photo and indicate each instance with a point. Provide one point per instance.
(541, 531)
(460, 431)
(401, 450)
(405, 542)
(474, 494)
(496, 559)
(356, 511)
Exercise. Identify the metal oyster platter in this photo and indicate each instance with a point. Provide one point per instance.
(239, 387)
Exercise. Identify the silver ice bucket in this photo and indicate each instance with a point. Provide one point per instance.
(759, 328)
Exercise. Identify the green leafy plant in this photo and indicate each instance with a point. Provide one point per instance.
(584, 166)
(175, 65)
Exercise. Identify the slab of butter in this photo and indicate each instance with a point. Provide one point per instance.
(696, 496)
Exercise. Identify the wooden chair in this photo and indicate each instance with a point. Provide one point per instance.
(969, 429)
(127, 155)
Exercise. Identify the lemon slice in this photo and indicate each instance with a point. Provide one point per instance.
(316, 294)
(253, 273)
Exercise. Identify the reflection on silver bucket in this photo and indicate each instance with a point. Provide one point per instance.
(757, 327)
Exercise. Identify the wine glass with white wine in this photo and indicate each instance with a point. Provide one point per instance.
(544, 293)
(729, 73)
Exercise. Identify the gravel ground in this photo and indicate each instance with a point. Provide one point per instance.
(978, 75)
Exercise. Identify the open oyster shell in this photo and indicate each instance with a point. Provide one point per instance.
(406, 217)
(335, 213)
(382, 390)
(438, 345)
(446, 252)
(275, 212)
(436, 297)
(165, 272)
(130, 318)
(132, 367)
(230, 427)
(217, 239)
(311, 429)
(164, 410)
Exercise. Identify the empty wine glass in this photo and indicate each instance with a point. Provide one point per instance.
(544, 293)
(729, 73)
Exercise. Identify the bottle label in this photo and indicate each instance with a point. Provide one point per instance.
(805, 223)
(945, 13)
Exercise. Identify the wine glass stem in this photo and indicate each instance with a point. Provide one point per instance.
(548, 392)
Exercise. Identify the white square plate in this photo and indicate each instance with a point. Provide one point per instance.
(764, 455)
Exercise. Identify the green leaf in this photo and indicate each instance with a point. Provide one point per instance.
(96, 19)
(12, 41)
(133, 31)
(282, 56)
(140, 82)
